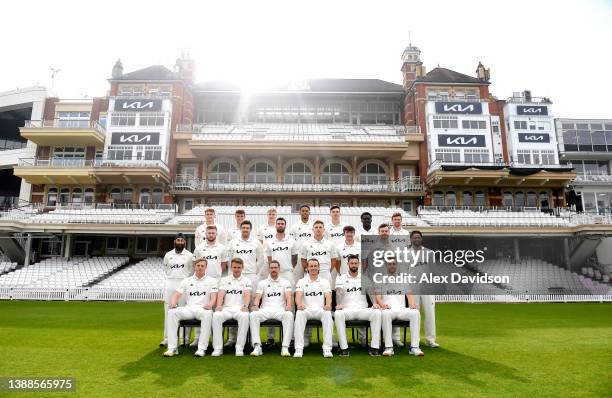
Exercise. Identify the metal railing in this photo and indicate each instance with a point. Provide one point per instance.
(190, 183)
(531, 100)
(455, 99)
(7, 145)
(595, 178)
(160, 95)
(486, 209)
(299, 129)
(438, 164)
(98, 163)
(66, 124)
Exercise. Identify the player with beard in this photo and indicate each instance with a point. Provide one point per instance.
(213, 252)
(302, 233)
(200, 232)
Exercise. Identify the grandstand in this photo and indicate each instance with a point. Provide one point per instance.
(490, 218)
(146, 274)
(103, 216)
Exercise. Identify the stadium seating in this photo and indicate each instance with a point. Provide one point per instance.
(103, 216)
(491, 218)
(146, 274)
(7, 266)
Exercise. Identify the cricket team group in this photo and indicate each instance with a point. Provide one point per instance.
(288, 274)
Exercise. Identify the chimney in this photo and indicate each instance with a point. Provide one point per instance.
(117, 70)
(482, 73)
(185, 67)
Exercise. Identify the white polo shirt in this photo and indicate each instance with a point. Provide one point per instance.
(352, 296)
(301, 232)
(235, 289)
(266, 232)
(214, 254)
(281, 251)
(314, 291)
(395, 299)
(335, 233)
(197, 291)
(273, 293)
(323, 250)
(200, 234)
(359, 232)
(250, 251)
(344, 250)
(233, 233)
(178, 265)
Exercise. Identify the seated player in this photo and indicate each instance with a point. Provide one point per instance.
(232, 303)
(313, 300)
(274, 293)
(201, 293)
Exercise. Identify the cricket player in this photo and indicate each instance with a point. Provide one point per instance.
(302, 233)
(273, 300)
(283, 249)
(267, 231)
(348, 247)
(313, 300)
(201, 293)
(393, 304)
(178, 265)
(366, 228)
(334, 231)
(213, 252)
(321, 249)
(399, 235)
(200, 232)
(353, 304)
(234, 232)
(426, 302)
(232, 303)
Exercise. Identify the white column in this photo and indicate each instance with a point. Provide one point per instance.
(68, 246)
(28, 249)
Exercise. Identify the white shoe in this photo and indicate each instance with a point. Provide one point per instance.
(298, 353)
(432, 344)
(327, 354)
(257, 351)
(163, 343)
(388, 352)
(171, 353)
(416, 351)
(239, 353)
(398, 343)
(285, 352)
(216, 353)
(200, 353)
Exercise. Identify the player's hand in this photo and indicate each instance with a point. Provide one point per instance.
(207, 306)
(301, 307)
(219, 308)
(385, 306)
(339, 307)
(375, 306)
(244, 308)
(327, 307)
(254, 308)
(288, 308)
(412, 306)
(173, 305)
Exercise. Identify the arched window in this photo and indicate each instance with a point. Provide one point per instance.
(298, 173)
(157, 196)
(145, 196)
(335, 173)
(507, 199)
(223, 172)
(532, 199)
(519, 199)
(52, 197)
(468, 198)
(438, 198)
(479, 198)
(77, 195)
(116, 194)
(89, 195)
(261, 172)
(127, 194)
(64, 196)
(372, 173)
(451, 199)
(544, 200)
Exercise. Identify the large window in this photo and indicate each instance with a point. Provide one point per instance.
(223, 172)
(151, 119)
(476, 155)
(372, 173)
(123, 119)
(68, 156)
(438, 198)
(445, 122)
(52, 197)
(146, 245)
(468, 198)
(335, 173)
(473, 124)
(507, 199)
(298, 173)
(479, 198)
(448, 155)
(450, 199)
(73, 119)
(261, 172)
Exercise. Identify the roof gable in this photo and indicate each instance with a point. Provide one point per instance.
(444, 75)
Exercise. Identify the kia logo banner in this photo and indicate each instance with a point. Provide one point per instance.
(472, 108)
(135, 139)
(461, 140)
(533, 137)
(138, 105)
(531, 110)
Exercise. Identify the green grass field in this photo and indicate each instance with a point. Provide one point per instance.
(501, 350)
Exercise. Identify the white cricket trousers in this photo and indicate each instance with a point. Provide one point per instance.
(178, 314)
(217, 327)
(231, 335)
(428, 305)
(169, 290)
(365, 314)
(263, 314)
(302, 316)
(403, 314)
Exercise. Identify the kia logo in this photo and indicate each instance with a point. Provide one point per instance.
(134, 138)
(461, 141)
(138, 105)
(531, 110)
(458, 108)
(313, 294)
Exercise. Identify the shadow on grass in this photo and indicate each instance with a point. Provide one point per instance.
(357, 373)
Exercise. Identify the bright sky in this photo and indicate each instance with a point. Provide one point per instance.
(557, 49)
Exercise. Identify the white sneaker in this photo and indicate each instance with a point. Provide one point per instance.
(171, 353)
(432, 344)
(298, 353)
(398, 343)
(239, 353)
(285, 352)
(416, 351)
(216, 353)
(200, 353)
(388, 352)
(257, 351)
(163, 343)
(327, 354)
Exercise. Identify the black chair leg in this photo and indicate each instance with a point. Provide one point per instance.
(405, 335)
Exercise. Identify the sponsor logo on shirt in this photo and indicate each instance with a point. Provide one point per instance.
(197, 293)
(336, 234)
(305, 235)
(280, 248)
(273, 294)
(244, 251)
(322, 253)
(177, 266)
(233, 291)
(313, 294)
(353, 289)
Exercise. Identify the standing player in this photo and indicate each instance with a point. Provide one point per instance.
(400, 236)
(352, 304)
(348, 247)
(200, 232)
(274, 294)
(426, 302)
(365, 228)
(268, 230)
(334, 231)
(283, 249)
(393, 304)
(302, 233)
(178, 264)
(234, 232)
(201, 293)
(313, 300)
(232, 303)
(321, 249)
(213, 252)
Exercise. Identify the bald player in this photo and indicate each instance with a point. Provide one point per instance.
(209, 219)
(273, 300)
(313, 300)
(352, 304)
(232, 303)
(213, 252)
(200, 292)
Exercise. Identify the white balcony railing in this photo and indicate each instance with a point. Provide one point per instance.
(98, 163)
(65, 124)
